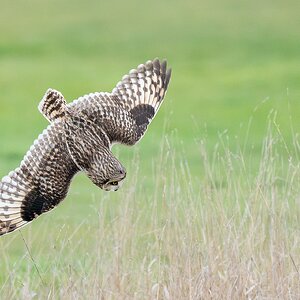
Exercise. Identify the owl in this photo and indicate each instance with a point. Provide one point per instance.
(79, 139)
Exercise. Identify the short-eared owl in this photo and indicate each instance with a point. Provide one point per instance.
(79, 138)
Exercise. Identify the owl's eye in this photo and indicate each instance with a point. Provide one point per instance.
(114, 183)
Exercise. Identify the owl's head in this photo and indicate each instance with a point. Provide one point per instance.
(106, 172)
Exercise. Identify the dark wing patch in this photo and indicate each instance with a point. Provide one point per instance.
(32, 206)
(142, 114)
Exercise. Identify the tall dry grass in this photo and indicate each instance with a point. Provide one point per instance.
(230, 233)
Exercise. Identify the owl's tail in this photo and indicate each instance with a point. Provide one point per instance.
(53, 106)
(13, 190)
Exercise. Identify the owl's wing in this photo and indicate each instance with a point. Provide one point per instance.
(141, 93)
(126, 112)
(38, 184)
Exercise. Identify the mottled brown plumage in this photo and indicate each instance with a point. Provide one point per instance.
(79, 138)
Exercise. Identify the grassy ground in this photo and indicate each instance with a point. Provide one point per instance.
(208, 211)
(227, 236)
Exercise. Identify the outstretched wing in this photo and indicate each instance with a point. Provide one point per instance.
(39, 183)
(126, 113)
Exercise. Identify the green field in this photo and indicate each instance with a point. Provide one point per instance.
(210, 206)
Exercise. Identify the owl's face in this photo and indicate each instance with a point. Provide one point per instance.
(112, 185)
(109, 183)
(114, 175)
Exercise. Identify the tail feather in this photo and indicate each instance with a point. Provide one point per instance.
(53, 105)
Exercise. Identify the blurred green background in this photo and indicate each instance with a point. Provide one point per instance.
(233, 62)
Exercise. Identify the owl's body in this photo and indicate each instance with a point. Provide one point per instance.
(79, 138)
